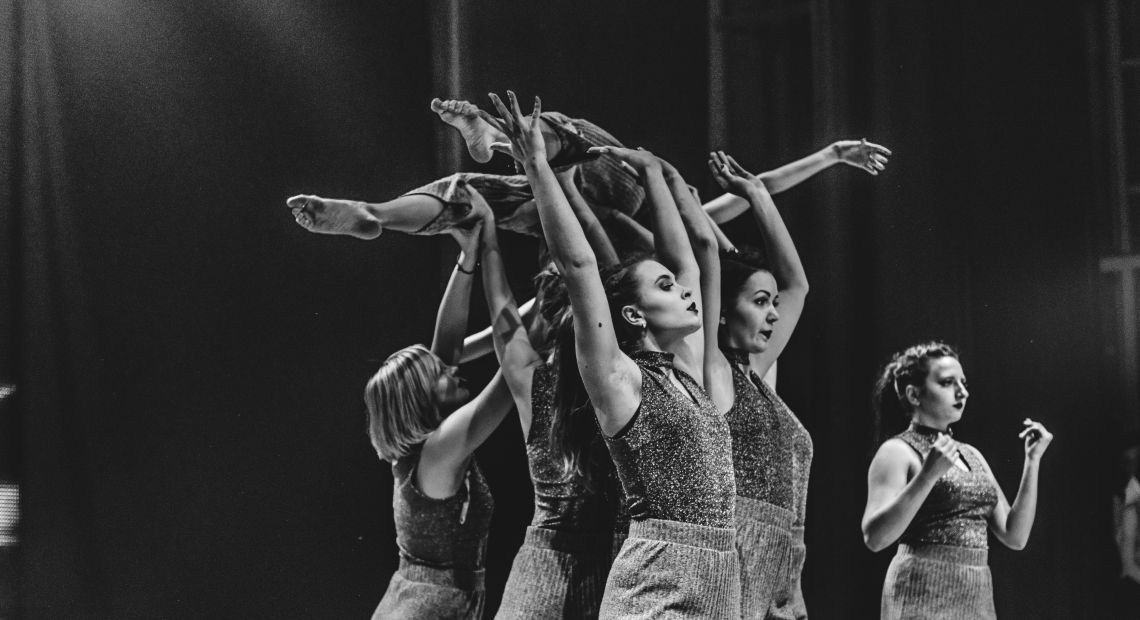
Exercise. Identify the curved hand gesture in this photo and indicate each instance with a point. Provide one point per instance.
(942, 456)
(1037, 439)
(865, 155)
(524, 133)
(731, 176)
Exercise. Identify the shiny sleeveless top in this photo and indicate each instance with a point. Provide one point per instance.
(674, 457)
(559, 503)
(771, 450)
(956, 511)
(441, 533)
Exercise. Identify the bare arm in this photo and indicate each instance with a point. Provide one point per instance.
(1012, 524)
(784, 260)
(612, 379)
(595, 234)
(1129, 522)
(717, 372)
(482, 343)
(445, 453)
(517, 358)
(897, 485)
(861, 154)
(451, 320)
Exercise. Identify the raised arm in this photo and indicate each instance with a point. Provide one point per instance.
(861, 154)
(897, 485)
(451, 320)
(1012, 524)
(705, 245)
(612, 379)
(784, 260)
(482, 342)
(671, 242)
(595, 234)
(517, 358)
(446, 451)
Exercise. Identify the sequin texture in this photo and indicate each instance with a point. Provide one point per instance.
(771, 449)
(674, 458)
(566, 504)
(959, 504)
(441, 533)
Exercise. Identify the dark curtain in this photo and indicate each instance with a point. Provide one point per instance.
(188, 431)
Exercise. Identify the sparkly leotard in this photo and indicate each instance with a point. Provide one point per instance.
(441, 533)
(771, 449)
(560, 503)
(956, 511)
(674, 458)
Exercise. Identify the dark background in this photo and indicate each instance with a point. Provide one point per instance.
(189, 432)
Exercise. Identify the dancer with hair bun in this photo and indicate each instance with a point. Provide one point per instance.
(936, 495)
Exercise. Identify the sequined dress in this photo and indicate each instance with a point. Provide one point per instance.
(674, 459)
(560, 571)
(940, 569)
(771, 454)
(443, 544)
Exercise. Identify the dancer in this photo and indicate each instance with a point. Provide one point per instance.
(639, 345)
(605, 184)
(935, 494)
(560, 570)
(1126, 519)
(771, 450)
(440, 500)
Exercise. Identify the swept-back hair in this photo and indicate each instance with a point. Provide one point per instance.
(573, 427)
(401, 401)
(735, 269)
(908, 367)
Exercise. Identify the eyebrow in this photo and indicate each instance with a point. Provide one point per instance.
(764, 290)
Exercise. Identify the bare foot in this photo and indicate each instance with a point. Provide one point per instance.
(334, 217)
(464, 116)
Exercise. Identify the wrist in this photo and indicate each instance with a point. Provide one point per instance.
(832, 152)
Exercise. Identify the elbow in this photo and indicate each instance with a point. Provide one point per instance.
(873, 541)
(577, 262)
(1016, 545)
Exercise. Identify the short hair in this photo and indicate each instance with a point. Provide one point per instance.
(401, 401)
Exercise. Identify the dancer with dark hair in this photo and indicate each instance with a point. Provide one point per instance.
(771, 450)
(935, 495)
(640, 342)
(417, 420)
(560, 570)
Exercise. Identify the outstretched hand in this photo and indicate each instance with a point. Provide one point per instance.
(524, 134)
(468, 231)
(867, 156)
(731, 176)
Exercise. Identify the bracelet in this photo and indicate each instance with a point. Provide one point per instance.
(460, 269)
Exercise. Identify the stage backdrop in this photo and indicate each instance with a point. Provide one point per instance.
(190, 431)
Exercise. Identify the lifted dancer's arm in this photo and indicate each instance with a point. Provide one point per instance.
(861, 154)
(612, 379)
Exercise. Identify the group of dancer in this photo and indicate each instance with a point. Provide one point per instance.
(670, 480)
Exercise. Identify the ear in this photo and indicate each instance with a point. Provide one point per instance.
(912, 395)
(633, 316)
